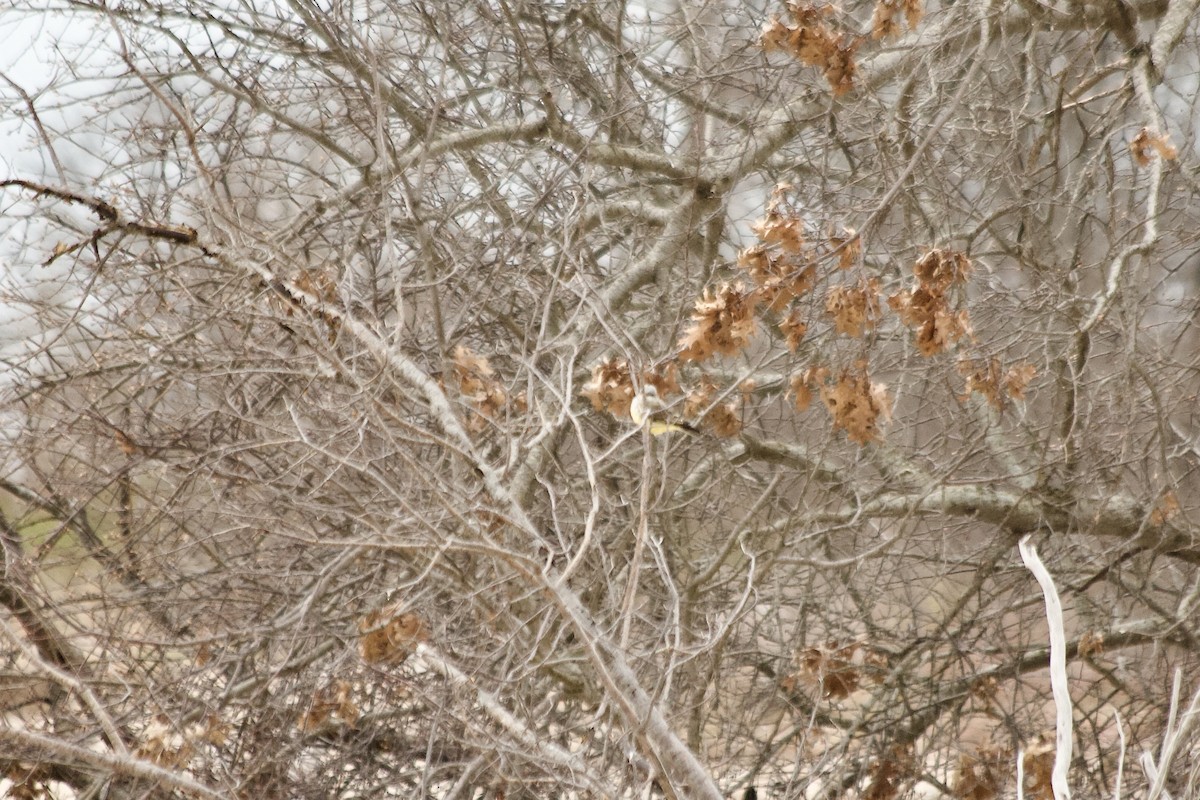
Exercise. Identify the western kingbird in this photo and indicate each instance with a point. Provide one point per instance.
(648, 406)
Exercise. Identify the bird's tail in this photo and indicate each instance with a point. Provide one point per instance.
(659, 428)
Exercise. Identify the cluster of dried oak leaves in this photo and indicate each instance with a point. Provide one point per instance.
(813, 40)
(780, 270)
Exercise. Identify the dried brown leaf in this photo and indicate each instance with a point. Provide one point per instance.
(799, 388)
(840, 69)
(1146, 141)
(330, 702)
(938, 270)
(478, 385)
(988, 379)
(914, 11)
(1091, 643)
(814, 43)
(888, 773)
(722, 322)
(981, 775)
(803, 385)
(885, 21)
(774, 34)
(389, 636)
(162, 744)
(855, 309)
(723, 420)
(785, 230)
(834, 671)
(856, 404)
(1165, 509)
(1039, 766)
(793, 328)
(926, 307)
(848, 247)
(610, 388)
(1017, 378)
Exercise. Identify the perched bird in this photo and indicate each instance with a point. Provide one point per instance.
(647, 405)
